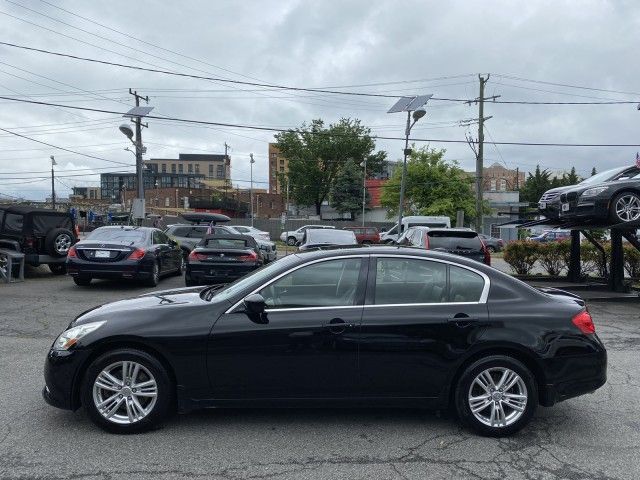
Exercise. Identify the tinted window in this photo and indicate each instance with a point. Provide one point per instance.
(454, 241)
(13, 223)
(118, 235)
(404, 280)
(1, 217)
(42, 224)
(324, 284)
(160, 238)
(225, 243)
(464, 285)
(180, 231)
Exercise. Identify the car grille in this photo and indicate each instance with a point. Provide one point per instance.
(548, 196)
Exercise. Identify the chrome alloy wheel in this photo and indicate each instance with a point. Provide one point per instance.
(62, 243)
(497, 397)
(125, 392)
(628, 208)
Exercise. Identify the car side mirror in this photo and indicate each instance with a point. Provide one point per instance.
(255, 305)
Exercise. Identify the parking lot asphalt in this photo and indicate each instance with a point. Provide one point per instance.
(592, 437)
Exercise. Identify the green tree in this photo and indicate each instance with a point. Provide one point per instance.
(346, 191)
(535, 185)
(572, 178)
(317, 155)
(433, 186)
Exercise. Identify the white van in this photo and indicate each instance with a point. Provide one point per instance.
(391, 235)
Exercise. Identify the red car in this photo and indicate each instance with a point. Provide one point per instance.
(365, 235)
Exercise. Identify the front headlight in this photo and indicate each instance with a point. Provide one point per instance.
(69, 338)
(592, 192)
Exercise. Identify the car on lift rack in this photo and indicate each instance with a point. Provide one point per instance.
(612, 196)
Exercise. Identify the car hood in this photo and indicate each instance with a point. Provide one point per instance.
(158, 300)
(561, 189)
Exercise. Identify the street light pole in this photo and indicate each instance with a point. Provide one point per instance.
(404, 172)
(53, 188)
(251, 162)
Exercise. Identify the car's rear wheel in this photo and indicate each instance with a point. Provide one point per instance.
(291, 241)
(58, 268)
(127, 391)
(154, 279)
(625, 207)
(496, 396)
(82, 281)
(58, 242)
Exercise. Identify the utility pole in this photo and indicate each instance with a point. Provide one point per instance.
(251, 162)
(364, 187)
(53, 188)
(480, 151)
(138, 144)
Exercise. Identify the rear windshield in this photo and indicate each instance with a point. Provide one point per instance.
(454, 240)
(118, 235)
(13, 223)
(225, 243)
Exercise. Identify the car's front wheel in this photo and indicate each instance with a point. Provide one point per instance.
(291, 241)
(625, 207)
(127, 391)
(496, 396)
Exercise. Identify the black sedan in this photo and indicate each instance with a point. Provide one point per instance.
(123, 252)
(222, 259)
(383, 326)
(612, 196)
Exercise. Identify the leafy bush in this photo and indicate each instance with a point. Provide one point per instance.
(521, 256)
(631, 260)
(552, 257)
(592, 260)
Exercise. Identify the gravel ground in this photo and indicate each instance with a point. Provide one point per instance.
(592, 437)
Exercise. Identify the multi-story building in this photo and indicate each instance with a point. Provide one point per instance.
(113, 184)
(215, 168)
(86, 193)
(278, 168)
(499, 178)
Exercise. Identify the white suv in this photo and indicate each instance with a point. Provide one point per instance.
(293, 237)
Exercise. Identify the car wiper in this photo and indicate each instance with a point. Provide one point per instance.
(209, 292)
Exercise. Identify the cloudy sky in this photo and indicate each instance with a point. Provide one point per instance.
(573, 51)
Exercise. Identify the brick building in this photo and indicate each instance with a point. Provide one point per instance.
(499, 178)
(278, 166)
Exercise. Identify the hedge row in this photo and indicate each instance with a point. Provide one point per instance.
(553, 257)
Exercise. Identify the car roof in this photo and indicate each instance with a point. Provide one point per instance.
(127, 228)
(27, 209)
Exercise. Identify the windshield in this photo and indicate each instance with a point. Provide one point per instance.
(605, 176)
(118, 235)
(253, 279)
(454, 241)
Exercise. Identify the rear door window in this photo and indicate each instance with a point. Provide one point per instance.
(464, 285)
(408, 280)
(13, 223)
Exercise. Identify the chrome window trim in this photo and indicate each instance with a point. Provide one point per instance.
(293, 269)
(485, 290)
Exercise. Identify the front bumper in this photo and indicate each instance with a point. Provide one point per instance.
(141, 270)
(596, 208)
(62, 379)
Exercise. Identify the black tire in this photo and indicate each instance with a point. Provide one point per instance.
(165, 393)
(82, 281)
(58, 268)
(613, 213)
(58, 242)
(463, 389)
(154, 279)
(291, 241)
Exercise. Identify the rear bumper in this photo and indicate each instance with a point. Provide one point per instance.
(111, 270)
(35, 260)
(576, 375)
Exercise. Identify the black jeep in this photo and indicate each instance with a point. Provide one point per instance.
(44, 236)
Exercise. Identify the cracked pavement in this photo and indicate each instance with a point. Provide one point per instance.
(592, 437)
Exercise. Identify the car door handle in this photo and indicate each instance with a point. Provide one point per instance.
(338, 326)
(462, 319)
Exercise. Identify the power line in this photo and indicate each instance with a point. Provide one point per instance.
(272, 129)
(580, 87)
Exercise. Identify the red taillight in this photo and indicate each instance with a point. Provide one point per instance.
(72, 253)
(251, 257)
(195, 256)
(29, 242)
(487, 253)
(584, 322)
(137, 254)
